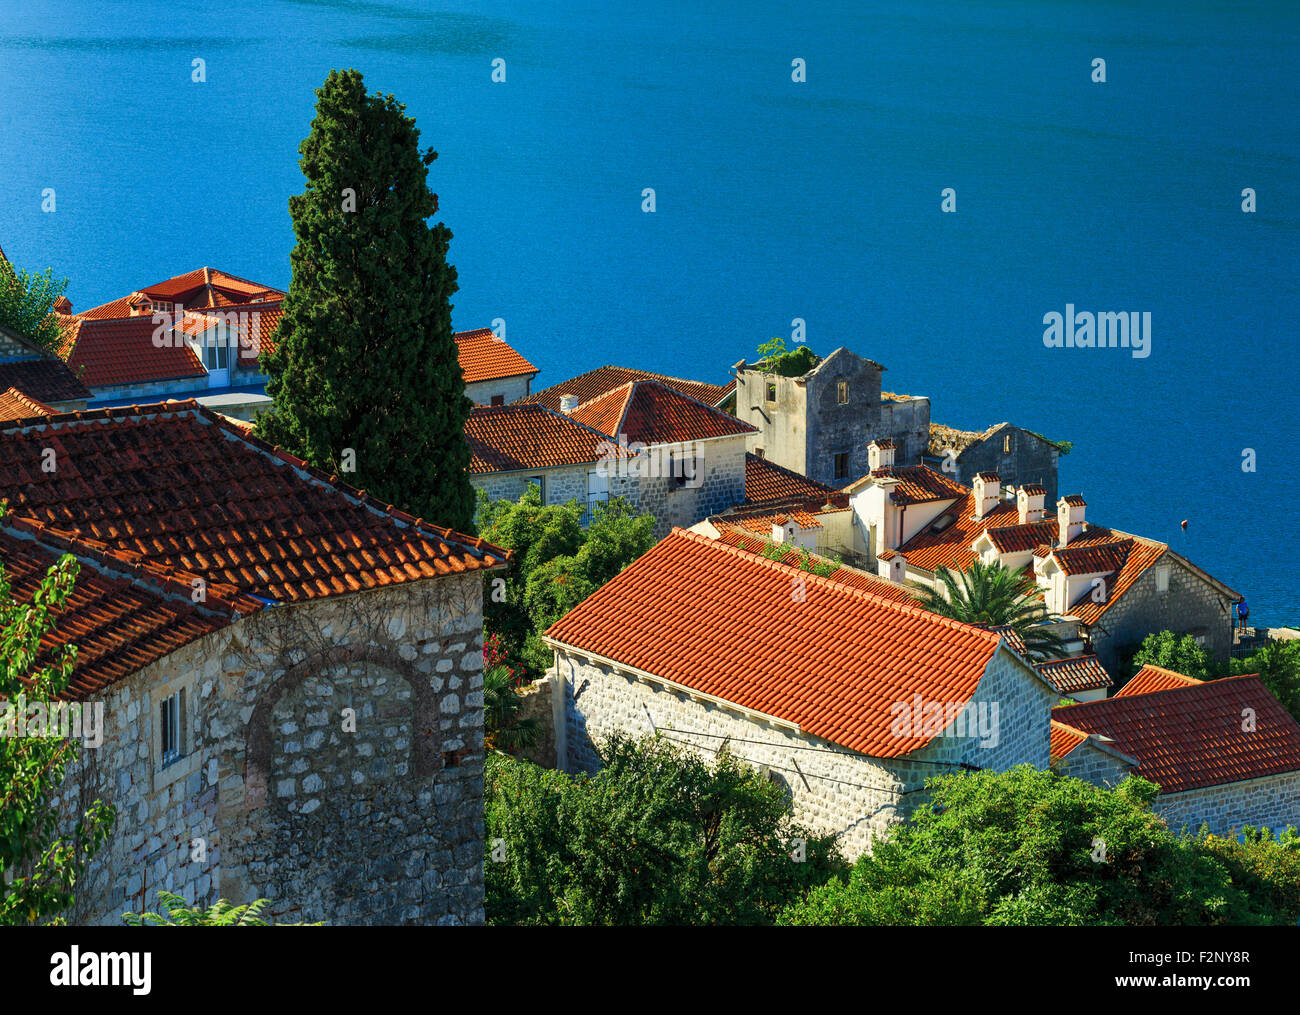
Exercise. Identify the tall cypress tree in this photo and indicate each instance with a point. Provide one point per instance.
(364, 357)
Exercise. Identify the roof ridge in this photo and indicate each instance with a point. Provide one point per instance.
(906, 609)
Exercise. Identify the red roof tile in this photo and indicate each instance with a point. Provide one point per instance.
(122, 351)
(15, 405)
(507, 438)
(203, 287)
(1190, 737)
(1064, 739)
(761, 520)
(842, 575)
(1077, 673)
(724, 622)
(597, 382)
(45, 379)
(484, 357)
(1154, 678)
(652, 413)
(916, 484)
(120, 616)
(767, 481)
(174, 485)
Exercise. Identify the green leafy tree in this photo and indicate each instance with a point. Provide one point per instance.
(1177, 652)
(774, 358)
(40, 861)
(1278, 666)
(659, 836)
(27, 304)
(504, 729)
(364, 358)
(557, 563)
(1031, 847)
(990, 595)
(179, 913)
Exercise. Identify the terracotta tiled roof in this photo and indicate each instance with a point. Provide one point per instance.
(46, 379)
(766, 481)
(761, 520)
(1140, 555)
(1154, 678)
(110, 352)
(1078, 673)
(1012, 638)
(1103, 558)
(15, 405)
(484, 357)
(722, 621)
(203, 287)
(1034, 490)
(1019, 538)
(1076, 500)
(507, 438)
(842, 575)
(916, 484)
(120, 616)
(1064, 739)
(652, 413)
(1191, 737)
(175, 486)
(597, 382)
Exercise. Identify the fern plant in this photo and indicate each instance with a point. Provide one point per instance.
(179, 913)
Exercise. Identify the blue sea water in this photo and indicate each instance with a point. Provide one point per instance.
(775, 200)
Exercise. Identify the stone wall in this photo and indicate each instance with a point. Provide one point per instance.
(905, 419)
(1030, 460)
(510, 388)
(1189, 606)
(1273, 801)
(538, 705)
(833, 789)
(719, 482)
(833, 428)
(1091, 764)
(275, 796)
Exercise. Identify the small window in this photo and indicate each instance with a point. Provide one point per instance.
(682, 469)
(1006, 444)
(172, 726)
(842, 465)
(498, 399)
(842, 392)
(540, 483)
(1162, 578)
(771, 392)
(758, 452)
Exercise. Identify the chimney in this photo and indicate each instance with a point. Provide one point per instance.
(988, 490)
(880, 454)
(1069, 517)
(568, 403)
(63, 305)
(1030, 502)
(784, 529)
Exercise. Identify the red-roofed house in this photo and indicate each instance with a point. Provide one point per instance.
(595, 383)
(37, 375)
(495, 374)
(1224, 752)
(1113, 588)
(850, 699)
(273, 653)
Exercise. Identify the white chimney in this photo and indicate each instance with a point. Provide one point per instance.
(1030, 502)
(784, 529)
(568, 403)
(1069, 517)
(880, 454)
(988, 490)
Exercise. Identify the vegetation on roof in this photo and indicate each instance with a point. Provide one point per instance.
(1061, 446)
(776, 359)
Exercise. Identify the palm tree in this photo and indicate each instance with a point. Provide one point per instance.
(991, 596)
(504, 729)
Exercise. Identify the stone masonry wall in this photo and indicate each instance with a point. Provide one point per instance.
(1088, 763)
(1273, 801)
(274, 795)
(720, 474)
(1031, 460)
(833, 789)
(1190, 605)
(513, 388)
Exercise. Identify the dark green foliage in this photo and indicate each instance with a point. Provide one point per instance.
(27, 301)
(658, 836)
(990, 595)
(1278, 666)
(775, 359)
(503, 727)
(557, 564)
(365, 357)
(1030, 847)
(44, 860)
(1179, 653)
(179, 913)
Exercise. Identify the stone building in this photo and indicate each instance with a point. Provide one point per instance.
(1112, 588)
(819, 424)
(1224, 753)
(289, 671)
(495, 374)
(1020, 457)
(849, 699)
(513, 446)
